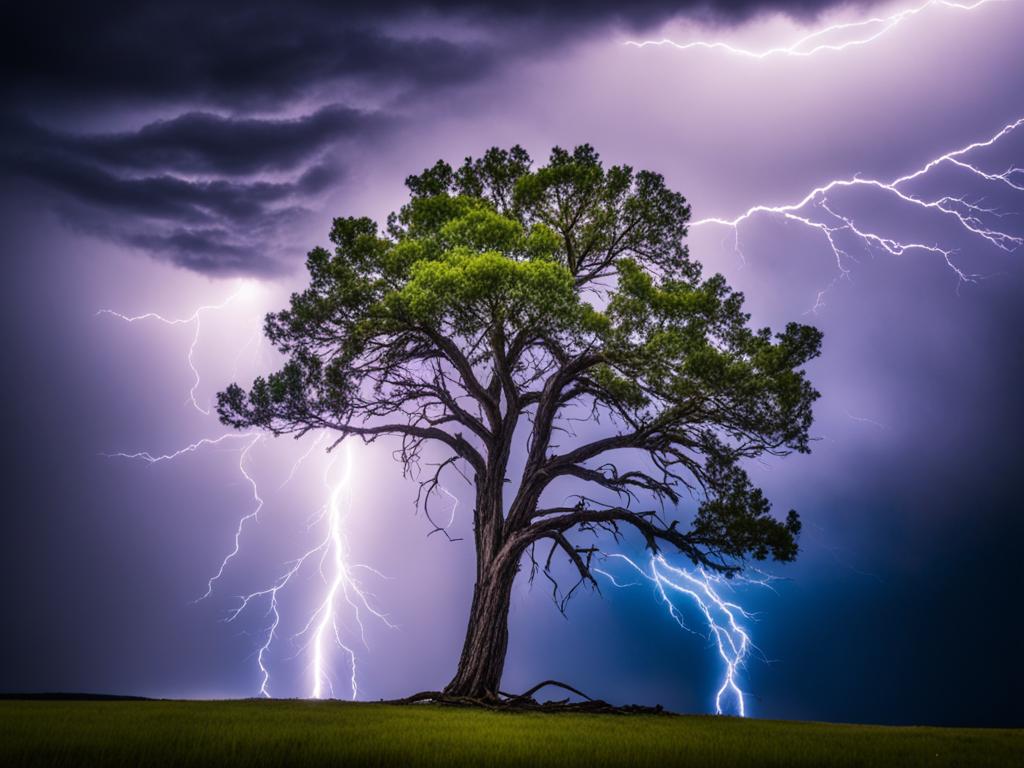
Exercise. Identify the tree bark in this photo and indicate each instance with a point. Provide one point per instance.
(483, 653)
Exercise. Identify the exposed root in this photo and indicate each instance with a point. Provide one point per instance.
(525, 702)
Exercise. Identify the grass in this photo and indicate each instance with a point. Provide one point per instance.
(301, 733)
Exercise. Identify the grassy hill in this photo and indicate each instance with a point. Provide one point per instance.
(301, 733)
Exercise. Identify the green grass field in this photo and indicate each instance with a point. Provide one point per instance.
(257, 733)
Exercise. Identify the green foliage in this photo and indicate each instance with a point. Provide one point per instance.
(500, 292)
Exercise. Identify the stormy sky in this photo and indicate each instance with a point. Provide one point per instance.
(163, 157)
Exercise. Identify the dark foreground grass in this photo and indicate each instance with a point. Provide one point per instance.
(300, 733)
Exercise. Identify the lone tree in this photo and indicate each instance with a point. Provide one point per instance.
(503, 304)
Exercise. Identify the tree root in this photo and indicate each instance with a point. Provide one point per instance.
(525, 702)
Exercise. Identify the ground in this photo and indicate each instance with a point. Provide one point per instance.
(257, 733)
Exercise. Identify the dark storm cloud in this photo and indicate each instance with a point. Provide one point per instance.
(262, 52)
(186, 187)
(201, 142)
(242, 56)
(183, 188)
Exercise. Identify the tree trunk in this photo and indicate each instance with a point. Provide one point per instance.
(483, 654)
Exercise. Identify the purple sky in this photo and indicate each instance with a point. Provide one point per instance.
(156, 159)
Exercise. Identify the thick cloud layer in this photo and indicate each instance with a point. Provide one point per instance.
(262, 51)
(208, 143)
(227, 85)
(194, 188)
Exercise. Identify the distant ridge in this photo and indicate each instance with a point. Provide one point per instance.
(70, 697)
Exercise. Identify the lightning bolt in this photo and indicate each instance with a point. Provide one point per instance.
(195, 320)
(339, 577)
(455, 506)
(253, 515)
(724, 618)
(822, 213)
(342, 584)
(253, 438)
(857, 33)
(190, 448)
(338, 573)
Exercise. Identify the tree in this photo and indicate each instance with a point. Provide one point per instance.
(499, 303)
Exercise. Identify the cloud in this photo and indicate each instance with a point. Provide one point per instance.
(237, 56)
(192, 189)
(225, 181)
(260, 52)
(204, 143)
